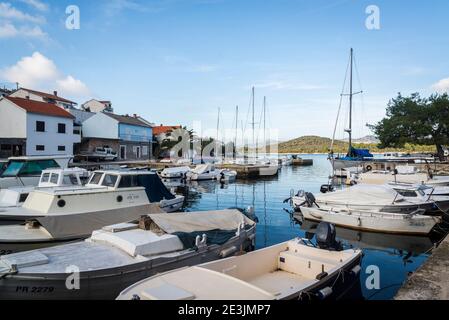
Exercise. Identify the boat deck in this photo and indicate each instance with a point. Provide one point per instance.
(278, 281)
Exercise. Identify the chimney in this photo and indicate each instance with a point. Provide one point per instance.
(55, 93)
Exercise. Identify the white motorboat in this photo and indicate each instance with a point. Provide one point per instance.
(438, 194)
(175, 172)
(52, 178)
(286, 161)
(404, 174)
(101, 154)
(67, 213)
(227, 175)
(384, 222)
(204, 172)
(26, 171)
(286, 271)
(119, 255)
(378, 198)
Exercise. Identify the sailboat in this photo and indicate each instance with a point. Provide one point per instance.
(354, 157)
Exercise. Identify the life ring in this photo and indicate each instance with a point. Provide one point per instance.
(369, 168)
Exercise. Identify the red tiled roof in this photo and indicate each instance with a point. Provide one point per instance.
(32, 106)
(48, 96)
(164, 129)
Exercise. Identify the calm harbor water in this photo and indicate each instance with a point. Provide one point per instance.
(394, 255)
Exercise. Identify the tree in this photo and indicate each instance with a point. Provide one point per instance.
(415, 120)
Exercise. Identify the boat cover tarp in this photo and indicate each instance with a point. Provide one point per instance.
(154, 188)
(200, 221)
(72, 226)
(217, 237)
(362, 194)
(360, 153)
(176, 170)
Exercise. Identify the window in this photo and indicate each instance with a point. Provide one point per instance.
(109, 180)
(128, 182)
(61, 127)
(40, 147)
(61, 148)
(28, 168)
(70, 180)
(13, 169)
(40, 126)
(54, 178)
(96, 178)
(45, 177)
(407, 193)
(145, 151)
(6, 147)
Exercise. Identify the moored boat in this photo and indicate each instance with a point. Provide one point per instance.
(119, 255)
(290, 270)
(26, 171)
(414, 224)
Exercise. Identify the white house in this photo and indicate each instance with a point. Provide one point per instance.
(129, 136)
(43, 97)
(29, 127)
(94, 105)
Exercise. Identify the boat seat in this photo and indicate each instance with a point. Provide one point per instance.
(167, 291)
(302, 265)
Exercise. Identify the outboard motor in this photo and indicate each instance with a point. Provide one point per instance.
(325, 188)
(326, 237)
(310, 199)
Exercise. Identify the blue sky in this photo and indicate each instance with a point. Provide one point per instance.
(175, 62)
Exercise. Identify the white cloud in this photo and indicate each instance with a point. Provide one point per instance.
(9, 12)
(39, 72)
(73, 87)
(442, 86)
(8, 30)
(37, 4)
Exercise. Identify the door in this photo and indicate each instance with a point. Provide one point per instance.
(17, 150)
(138, 152)
(123, 152)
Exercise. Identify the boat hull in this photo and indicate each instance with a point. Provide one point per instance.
(377, 222)
(429, 207)
(107, 284)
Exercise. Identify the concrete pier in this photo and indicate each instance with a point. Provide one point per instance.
(431, 280)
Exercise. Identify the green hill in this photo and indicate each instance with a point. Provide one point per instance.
(315, 144)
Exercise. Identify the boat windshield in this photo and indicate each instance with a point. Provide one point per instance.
(109, 180)
(70, 179)
(13, 169)
(28, 168)
(96, 178)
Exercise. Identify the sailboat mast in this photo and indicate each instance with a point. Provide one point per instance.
(264, 121)
(236, 129)
(350, 103)
(253, 122)
(218, 133)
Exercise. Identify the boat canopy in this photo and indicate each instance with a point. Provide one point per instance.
(359, 153)
(154, 188)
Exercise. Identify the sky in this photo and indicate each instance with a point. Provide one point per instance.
(178, 61)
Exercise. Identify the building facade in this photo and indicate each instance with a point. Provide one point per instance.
(97, 106)
(43, 97)
(30, 128)
(126, 135)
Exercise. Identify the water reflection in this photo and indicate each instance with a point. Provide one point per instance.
(395, 255)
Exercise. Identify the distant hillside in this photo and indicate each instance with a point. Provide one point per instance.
(365, 140)
(315, 144)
